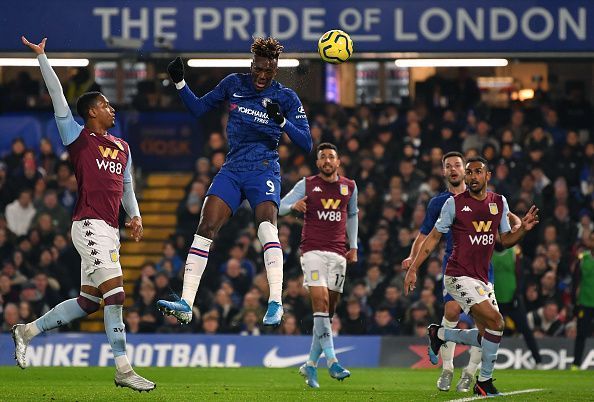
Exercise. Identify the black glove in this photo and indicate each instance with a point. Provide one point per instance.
(176, 70)
(274, 112)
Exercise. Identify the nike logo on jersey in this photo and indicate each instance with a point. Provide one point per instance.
(236, 95)
(466, 209)
(317, 189)
(272, 359)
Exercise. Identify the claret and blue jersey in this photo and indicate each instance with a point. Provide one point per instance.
(431, 215)
(251, 170)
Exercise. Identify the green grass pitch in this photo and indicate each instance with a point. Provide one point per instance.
(261, 384)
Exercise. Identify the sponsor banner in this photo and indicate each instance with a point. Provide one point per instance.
(375, 25)
(557, 353)
(164, 141)
(77, 349)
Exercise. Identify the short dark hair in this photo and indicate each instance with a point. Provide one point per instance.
(326, 145)
(267, 47)
(452, 154)
(478, 159)
(85, 102)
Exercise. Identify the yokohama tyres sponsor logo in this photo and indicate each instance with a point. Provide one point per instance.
(252, 112)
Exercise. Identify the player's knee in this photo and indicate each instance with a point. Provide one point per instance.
(207, 229)
(496, 322)
(320, 306)
(267, 232)
(452, 312)
(114, 297)
(88, 305)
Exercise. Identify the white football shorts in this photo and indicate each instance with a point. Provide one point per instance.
(469, 291)
(99, 247)
(324, 268)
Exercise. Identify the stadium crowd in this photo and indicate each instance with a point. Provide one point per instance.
(541, 152)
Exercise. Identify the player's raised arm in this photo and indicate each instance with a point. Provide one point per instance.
(510, 238)
(294, 200)
(352, 226)
(294, 123)
(130, 203)
(196, 105)
(69, 129)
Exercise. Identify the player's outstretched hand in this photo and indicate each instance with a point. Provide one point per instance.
(351, 256)
(274, 112)
(410, 281)
(530, 219)
(135, 226)
(406, 263)
(38, 49)
(300, 205)
(176, 70)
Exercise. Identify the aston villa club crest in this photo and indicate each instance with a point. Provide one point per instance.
(266, 101)
(119, 144)
(493, 208)
(344, 189)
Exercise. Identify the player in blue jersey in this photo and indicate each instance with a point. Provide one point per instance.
(453, 171)
(260, 110)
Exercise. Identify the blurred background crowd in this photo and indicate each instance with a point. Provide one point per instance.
(540, 152)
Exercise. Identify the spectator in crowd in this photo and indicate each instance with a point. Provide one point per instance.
(19, 213)
(383, 323)
(11, 317)
(546, 320)
(210, 323)
(354, 322)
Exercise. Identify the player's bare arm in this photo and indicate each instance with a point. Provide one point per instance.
(413, 251)
(427, 247)
(529, 221)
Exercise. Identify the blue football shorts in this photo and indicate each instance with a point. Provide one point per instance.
(255, 186)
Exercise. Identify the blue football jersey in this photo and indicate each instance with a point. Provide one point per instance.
(253, 138)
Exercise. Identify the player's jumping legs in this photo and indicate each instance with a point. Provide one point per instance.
(449, 321)
(266, 213)
(215, 213)
(69, 310)
(113, 298)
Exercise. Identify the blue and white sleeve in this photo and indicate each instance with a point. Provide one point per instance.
(296, 193)
(446, 216)
(431, 215)
(200, 105)
(129, 201)
(68, 128)
(504, 225)
(352, 226)
(296, 125)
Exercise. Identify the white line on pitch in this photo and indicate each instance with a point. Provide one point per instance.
(474, 398)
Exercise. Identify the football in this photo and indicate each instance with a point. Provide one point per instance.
(335, 46)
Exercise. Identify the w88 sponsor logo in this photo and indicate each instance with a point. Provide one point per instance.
(332, 216)
(484, 239)
(109, 166)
